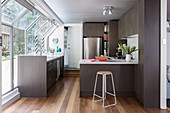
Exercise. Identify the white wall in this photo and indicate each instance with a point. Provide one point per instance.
(163, 79)
(58, 33)
(74, 39)
(168, 48)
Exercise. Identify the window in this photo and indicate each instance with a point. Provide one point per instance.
(18, 49)
(31, 35)
(11, 10)
(6, 59)
(20, 36)
(27, 19)
(2, 1)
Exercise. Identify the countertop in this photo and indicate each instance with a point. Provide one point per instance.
(49, 58)
(110, 61)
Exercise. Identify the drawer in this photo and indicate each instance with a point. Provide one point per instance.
(49, 65)
(50, 82)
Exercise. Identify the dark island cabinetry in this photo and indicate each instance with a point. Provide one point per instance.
(37, 74)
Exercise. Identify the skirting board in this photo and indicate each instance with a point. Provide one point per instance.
(168, 102)
(10, 98)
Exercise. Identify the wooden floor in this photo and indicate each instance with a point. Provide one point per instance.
(64, 98)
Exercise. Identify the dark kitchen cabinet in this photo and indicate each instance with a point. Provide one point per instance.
(128, 23)
(36, 75)
(61, 66)
(54, 71)
(113, 37)
(122, 24)
(51, 74)
(168, 10)
(132, 21)
(93, 29)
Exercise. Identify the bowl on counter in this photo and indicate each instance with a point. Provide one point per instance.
(104, 58)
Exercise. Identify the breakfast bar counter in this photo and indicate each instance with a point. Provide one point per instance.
(112, 61)
(123, 73)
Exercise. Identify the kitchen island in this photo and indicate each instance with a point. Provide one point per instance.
(123, 73)
(38, 74)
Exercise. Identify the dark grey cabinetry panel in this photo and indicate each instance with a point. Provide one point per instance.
(51, 74)
(93, 29)
(36, 76)
(123, 77)
(128, 23)
(113, 37)
(168, 10)
(132, 21)
(32, 76)
(61, 66)
(135, 19)
(122, 33)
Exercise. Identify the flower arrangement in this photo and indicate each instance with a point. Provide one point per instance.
(126, 49)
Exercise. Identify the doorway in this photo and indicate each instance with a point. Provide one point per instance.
(74, 45)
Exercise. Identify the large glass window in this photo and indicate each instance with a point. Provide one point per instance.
(21, 38)
(6, 59)
(39, 34)
(11, 10)
(27, 19)
(31, 35)
(18, 49)
(2, 1)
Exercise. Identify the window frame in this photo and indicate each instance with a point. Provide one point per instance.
(11, 25)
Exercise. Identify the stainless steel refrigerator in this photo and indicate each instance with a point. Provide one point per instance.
(93, 47)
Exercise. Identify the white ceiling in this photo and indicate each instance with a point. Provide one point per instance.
(77, 11)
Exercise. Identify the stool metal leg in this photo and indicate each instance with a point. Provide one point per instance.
(95, 87)
(114, 95)
(103, 89)
(113, 85)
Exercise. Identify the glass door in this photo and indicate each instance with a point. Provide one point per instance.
(6, 59)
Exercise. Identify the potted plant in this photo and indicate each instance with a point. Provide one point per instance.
(52, 51)
(4, 48)
(128, 51)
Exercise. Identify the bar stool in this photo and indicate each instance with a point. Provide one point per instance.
(104, 89)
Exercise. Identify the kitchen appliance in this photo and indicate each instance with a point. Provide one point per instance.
(118, 53)
(93, 46)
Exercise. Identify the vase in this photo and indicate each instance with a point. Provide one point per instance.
(128, 57)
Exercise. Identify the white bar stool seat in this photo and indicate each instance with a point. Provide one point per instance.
(104, 89)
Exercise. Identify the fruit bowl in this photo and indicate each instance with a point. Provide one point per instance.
(103, 58)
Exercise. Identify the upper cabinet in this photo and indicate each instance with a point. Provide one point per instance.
(168, 10)
(128, 23)
(93, 29)
(122, 24)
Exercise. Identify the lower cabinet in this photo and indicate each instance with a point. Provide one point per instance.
(36, 75)
(54, 71)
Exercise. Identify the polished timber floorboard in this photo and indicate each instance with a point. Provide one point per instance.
(64, 98)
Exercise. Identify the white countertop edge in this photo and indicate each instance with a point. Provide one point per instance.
(55, 57)
(116, 62)
(49, 58)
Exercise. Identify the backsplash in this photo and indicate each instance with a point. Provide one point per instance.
(133, 42)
